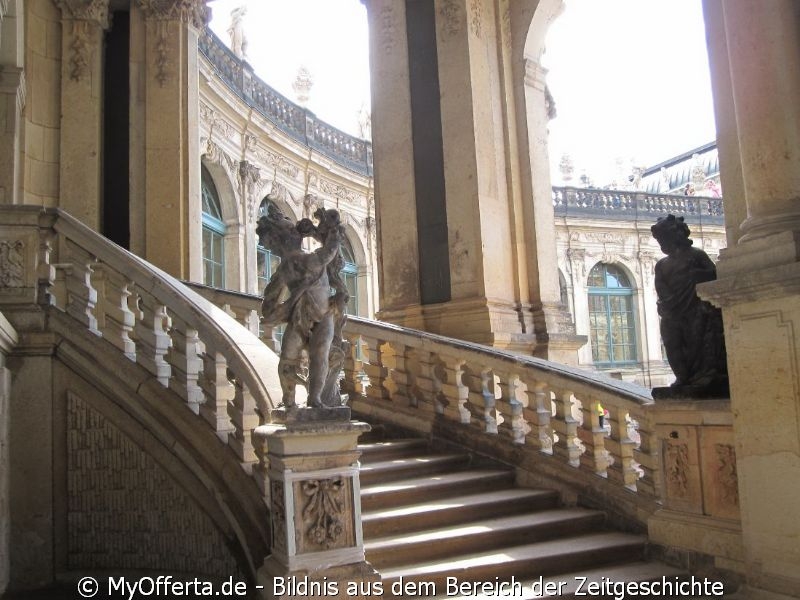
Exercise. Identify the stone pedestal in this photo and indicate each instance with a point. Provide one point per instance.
(317, 544)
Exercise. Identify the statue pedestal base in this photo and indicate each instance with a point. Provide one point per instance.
(312, 468)
(718, 389)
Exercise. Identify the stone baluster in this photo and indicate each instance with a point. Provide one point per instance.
(427, 384)
(185, 357)
(393, 356)
(490, 414)
(453, 389)
(152, 337)
(46, 271)
(511, 407)
(116, 319)
(538, 413)
(81, 294)
(647, 454)
(592, 435)
(566, 428)
(219, 392)
(376, 370)
(620, 447)
(242, 411)
(353, 367)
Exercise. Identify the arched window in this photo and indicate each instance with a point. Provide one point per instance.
(350, 276)
(267, 261)
(213, 233)
(611, 320)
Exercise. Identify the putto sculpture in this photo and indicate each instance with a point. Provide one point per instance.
(691, 328)
(307, 293)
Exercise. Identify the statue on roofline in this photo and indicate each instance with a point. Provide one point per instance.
(691, 328)
(299, 294)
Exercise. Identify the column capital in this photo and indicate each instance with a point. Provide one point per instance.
(94, 11)
(193, 12)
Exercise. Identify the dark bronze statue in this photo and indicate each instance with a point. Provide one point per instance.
(299, 294)
(690, 327)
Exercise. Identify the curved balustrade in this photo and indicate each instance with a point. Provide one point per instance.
(349, 151)
(534, 404)
(581, 421)
(189, 345)
(621, 204)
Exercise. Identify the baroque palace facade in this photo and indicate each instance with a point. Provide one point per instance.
(138, 421)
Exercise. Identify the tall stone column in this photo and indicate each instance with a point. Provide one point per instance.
(759, 281)
(454, 233)
(81, 164)
(171, 165)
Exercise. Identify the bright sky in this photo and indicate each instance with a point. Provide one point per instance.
(629, 77)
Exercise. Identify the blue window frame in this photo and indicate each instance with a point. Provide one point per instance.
(349, 275)
(612, 326)
(213, 233)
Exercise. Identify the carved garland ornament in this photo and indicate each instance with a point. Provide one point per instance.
(727, 474)
(476, 17)
(278, 516)
(677, 467)
(193, 12)
(12, 263)
(450, 12)
(85, 16)
(322, 515)
(386, 24)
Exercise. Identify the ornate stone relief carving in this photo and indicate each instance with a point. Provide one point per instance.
(86, 16)
(193, 12)
(217, 155)
(163, 62)
(322, 514)
(278, 163)
(476, 17)
(450, 12)
(506, 23)
(216, 123)
(12, 263)
(677, 465)
(387, 26)
(727, 475)
(341, 192)
(250, 178)
(576, 260)
(278, 516)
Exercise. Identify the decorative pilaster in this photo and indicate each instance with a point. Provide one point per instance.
(83, 25)
(315, 506)
(12, 101)
(169, 168)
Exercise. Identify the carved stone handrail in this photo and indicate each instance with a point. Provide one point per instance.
(188, 344)
(413, 379)
(623, 204)
(548, 408)
(294, 120)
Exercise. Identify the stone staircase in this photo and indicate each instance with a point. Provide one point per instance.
(432, 515)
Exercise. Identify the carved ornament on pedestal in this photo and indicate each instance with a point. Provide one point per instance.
(12, 263)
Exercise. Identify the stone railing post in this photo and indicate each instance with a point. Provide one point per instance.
(315, 506)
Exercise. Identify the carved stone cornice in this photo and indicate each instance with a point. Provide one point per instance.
(193, 12)
(95, 11)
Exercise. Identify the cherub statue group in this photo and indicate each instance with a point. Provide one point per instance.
(307, 293)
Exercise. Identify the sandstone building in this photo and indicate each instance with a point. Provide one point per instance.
(135, 416)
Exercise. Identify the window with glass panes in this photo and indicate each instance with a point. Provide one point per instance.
(612, 326)
(213, 233)
(349, 275)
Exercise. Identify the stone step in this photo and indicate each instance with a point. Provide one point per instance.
(547, 559)
(453, 511)
(481, 535)
(433, 487)
(421, 464)
(571, 586)
(378, 451)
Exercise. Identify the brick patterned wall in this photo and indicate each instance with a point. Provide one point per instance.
(126, 512)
